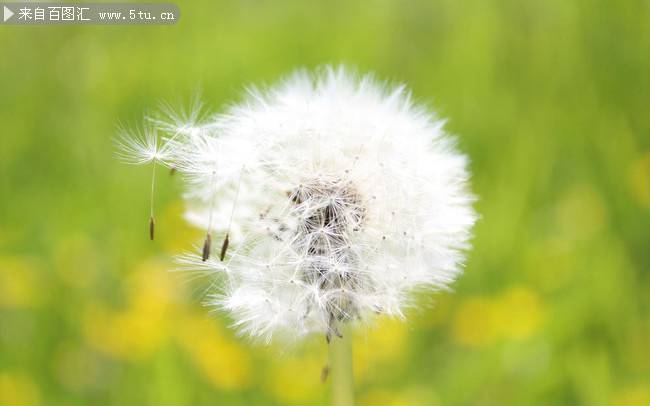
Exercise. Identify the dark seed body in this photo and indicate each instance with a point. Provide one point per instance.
(324, 373)
(152, 227)
(224, 247)
(207, 247)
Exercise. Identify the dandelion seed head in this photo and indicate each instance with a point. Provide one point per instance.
(349, 197)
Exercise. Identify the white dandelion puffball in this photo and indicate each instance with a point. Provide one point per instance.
(340, 197)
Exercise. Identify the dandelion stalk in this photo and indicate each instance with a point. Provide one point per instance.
(340, 368)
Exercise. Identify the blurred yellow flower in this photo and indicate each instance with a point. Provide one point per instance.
(296, 378)
(221, 359)
(516, 314)
(378, 345)
(131, 334)
(18, 283)
(473, 324)
(144, 325)
(18, 390)
(632, 396)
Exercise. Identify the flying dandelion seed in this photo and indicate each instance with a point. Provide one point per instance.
(141, 148)
(348, 198)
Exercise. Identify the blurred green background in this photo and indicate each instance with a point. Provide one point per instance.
(551, 100)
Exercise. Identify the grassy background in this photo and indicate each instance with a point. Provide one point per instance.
(550, 99)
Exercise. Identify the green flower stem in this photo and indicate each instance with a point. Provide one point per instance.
(341, 367)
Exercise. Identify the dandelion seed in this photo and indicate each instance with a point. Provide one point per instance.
(140, 148)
